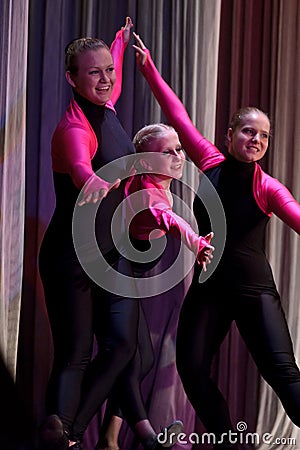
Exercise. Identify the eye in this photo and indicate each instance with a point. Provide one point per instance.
(173, 152)
(93, 72)
(249, 131)
(110, 69)
(264, 136)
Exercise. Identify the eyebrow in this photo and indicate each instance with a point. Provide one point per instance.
(99, 67)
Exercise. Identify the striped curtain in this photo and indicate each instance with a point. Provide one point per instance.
(283, 245)
(13, 55)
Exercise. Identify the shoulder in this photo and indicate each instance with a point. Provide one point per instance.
(73, 122)
(270, 193)
(268, 183)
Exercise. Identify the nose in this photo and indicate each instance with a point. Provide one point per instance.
(256, 137)
(104, 78)
(178, 154)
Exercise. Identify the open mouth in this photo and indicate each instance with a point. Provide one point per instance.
(103, 89)
(252, 148)
(178, 166)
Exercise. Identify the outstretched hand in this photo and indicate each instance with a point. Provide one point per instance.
(97, 189)
(140, 49)
(205, 257)
(127, 28)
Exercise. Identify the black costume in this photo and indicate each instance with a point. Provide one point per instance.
(77, 307)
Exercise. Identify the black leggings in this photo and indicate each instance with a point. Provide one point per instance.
(77, 310)
(126, 399)
(204, 321)
(128, 402)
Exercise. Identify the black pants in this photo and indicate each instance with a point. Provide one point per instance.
(127, 399)
(77, 311)
(204, 321)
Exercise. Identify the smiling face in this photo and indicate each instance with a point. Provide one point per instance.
(95, 75)
(248, 142)
(167, 157)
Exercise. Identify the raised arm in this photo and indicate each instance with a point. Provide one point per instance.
(117, 49)
(202, 152)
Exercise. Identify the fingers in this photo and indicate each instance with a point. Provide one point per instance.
(209, 236)
(115, 184)
(204, 262)
(98, 195)
(85, 200)
(128, 22)
(208, 253)
(141, 54)
(206, 256)
(126, 29)
(94, 197)
(139, 41)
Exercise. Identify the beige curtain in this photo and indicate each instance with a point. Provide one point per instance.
(284, 244)
(13, 33)
(193, 57)
(194, 27)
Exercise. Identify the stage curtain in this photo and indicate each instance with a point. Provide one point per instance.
(217, 55)
(13, 64)
(283, 244)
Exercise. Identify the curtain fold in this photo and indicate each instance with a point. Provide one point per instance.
(13, 46)
(283, 244)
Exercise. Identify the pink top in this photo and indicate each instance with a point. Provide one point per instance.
(270, 195)
(155, 214)
(75, 132)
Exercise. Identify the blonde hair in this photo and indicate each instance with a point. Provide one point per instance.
(81, 45)
(240, 115)
(146, 135)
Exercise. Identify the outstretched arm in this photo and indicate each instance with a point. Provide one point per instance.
(202, 152)
(172, 223)
(281, 202)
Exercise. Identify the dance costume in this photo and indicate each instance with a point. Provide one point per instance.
(87, 137)
(155, 213)
(150, 210)
(242, 287)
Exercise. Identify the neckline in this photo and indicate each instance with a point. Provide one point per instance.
(88, 106)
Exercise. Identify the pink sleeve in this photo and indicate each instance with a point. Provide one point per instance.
(171, 223)
(117, 50)
(284, 205)
(71, 154)
(202, 152)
